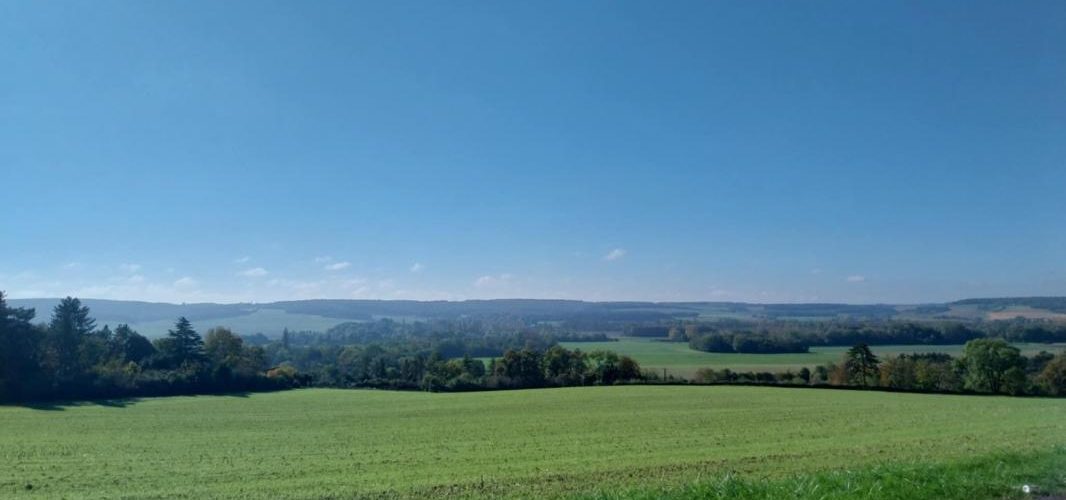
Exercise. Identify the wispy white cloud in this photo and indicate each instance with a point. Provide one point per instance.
(855, 278)
(72, 265)
(323, 259)
(185, 282)
(488, 280)
(242, 260)
(129, 268)
(255, 272)
(353, 283)
(417, 267)
(24, 275)
(719, 293)
(299, 289)
(337, 266)
(122, 286)
(359, 292)
(615, 254)
(308, 289)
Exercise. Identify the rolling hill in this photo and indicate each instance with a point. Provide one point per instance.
(270, 319)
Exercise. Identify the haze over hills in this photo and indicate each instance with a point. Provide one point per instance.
(154, 318)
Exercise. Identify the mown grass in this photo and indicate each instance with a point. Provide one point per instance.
(679, 360)
(342, 444)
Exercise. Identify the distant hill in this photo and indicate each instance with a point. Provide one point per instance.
(1053, 304)
(153, 318)
(130, 311)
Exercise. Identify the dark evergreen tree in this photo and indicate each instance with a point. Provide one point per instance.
(68, 330)
(185, 344)
(861, 364)
(20, 352)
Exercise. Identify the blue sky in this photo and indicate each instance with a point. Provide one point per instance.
(758, 151)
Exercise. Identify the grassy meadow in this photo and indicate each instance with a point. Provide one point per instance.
(269, 322)
(595, 441)
(679, 360)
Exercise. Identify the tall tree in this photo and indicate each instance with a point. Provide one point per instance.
(20, 351)
(130, 345)
(68, 330)
(861, 364)
(992, 365)
(523, 367)
(563, 366)
(186, 345)
(69, 316)
(223, 347)
(1052, 377)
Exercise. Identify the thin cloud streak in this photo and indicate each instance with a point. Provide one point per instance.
(616, 254)
(255, 272)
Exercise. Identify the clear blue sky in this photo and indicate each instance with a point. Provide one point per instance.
(760, 151)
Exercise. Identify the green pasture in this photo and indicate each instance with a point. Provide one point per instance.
(678, 359)
(321, 443)
(270, 322)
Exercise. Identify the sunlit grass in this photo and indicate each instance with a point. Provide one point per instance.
(343, 443)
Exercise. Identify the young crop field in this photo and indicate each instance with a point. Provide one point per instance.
(679, 360)
(598, 441)
(269, 322)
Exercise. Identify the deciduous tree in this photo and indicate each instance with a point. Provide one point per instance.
(992, 365)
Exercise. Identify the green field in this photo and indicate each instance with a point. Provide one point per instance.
(679, 360)
(344, 443)
(269, 322)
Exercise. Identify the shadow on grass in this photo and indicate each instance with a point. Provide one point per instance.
(113, 402)
(63, 405)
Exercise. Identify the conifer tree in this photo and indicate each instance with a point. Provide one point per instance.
(861, 364)
(187, 345)
(67, 332)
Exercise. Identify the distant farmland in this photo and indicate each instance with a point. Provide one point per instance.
(270, 322)
(338, 443)
(153, 319)
(679, 360)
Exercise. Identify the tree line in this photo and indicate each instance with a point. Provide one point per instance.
(426, 359)
(70, 358)
(988, 366)
(454, 338)
(796, 336)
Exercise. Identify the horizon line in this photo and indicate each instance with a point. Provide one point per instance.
(512, 299)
